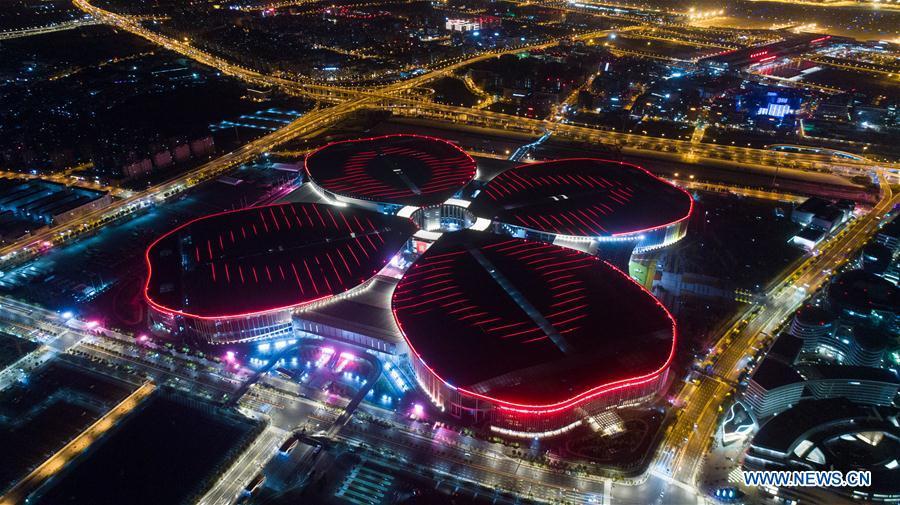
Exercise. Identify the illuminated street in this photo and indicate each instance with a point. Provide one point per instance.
(404, 252)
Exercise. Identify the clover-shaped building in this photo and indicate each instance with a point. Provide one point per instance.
(511, 307)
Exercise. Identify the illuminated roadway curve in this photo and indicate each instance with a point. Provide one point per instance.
(692, 432)
(389, 97)
(685, 150)
(304, 125)
(304, 86)
(701, 401)
(76, 446)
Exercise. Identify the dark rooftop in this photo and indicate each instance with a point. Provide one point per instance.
(785, 349)
(773, 373)
(863, 292)
(755, 54)
(892, 229)
(814, 205)
(872, 339)
(398, 169)
(830, 214)
(781, 432)
(849, 373)
(44, 200)
(832, 427)
(527, 322)
(812, 234)
(812, 315)
(582, 197)
(265, 258)
(369, 313)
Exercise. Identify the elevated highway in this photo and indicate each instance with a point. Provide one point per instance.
(311, 122)
(40, 30)
(396, 98)
(689, 152)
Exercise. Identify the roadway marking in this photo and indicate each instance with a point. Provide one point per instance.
(699, 412)
(251, 461)
(364, 434)
(669, 479)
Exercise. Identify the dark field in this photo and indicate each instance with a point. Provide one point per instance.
(38, 417)
(167, 452)
(12, 348)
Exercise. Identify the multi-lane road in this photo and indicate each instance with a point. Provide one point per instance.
(309, 123)
(690, 436)
(393, 97)
(40, 30)
(229, 486)
(686, 443)
(306, 124)
(678, 150)
(467, 460)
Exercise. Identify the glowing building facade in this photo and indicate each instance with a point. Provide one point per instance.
(511, 332)
(238, 276)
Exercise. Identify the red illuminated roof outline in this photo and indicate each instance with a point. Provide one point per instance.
(519, 323)
(398, 169)
(464, 324)
(262, 259)
(583, 197)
